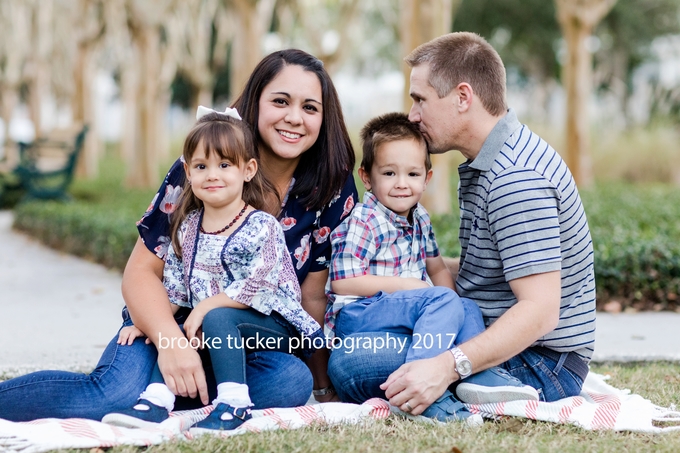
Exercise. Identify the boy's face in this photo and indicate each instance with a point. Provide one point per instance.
(398, 177)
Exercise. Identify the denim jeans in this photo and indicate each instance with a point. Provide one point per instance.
(357, 375)
(552, 380)
(239, 331)
(275, 379)
(436, 317)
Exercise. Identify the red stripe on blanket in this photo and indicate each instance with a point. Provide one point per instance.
(279, 421)
(531, 409)
(609, 407)
(566, 411)
(79, 428)
(308, 414)
(381, 408)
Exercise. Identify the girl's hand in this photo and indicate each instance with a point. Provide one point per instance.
(192, 326)
(128, 334)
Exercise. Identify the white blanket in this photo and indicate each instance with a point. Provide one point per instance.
(600, 406)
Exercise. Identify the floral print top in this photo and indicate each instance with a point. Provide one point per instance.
(306, 232)
(251, 266)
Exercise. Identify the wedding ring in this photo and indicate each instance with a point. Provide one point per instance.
(408, 407)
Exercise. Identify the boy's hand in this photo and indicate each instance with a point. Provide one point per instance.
(128, 334)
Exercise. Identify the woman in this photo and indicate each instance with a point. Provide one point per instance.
(306, 153)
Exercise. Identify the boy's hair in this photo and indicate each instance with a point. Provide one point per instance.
(464, 57)
(386, 128)
(230, 139)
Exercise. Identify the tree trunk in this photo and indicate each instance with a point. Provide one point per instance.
(577, 19)
(9, 98)
(422, 21)
(128, 87)
(144, 171)
(203, 96)
(83, 111)
(246, 53)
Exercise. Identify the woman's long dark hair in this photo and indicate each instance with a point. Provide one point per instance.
(230, 139)
(324, 168)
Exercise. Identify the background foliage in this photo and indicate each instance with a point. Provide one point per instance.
(635, 230)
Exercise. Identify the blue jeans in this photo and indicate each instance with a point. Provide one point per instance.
(240, 331)
(357, 375)
(275, 379)
(436, 317)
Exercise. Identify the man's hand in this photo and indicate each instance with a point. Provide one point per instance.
(182, 371)
(420, 382)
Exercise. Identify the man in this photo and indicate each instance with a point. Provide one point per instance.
(526, 257)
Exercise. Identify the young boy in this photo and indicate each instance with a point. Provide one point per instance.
(385, 261)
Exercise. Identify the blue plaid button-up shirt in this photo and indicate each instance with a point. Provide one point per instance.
(374, 240)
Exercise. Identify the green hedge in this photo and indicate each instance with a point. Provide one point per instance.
(636, 235)
(103, 234)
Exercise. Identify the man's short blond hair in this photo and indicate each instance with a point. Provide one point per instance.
(464, 57)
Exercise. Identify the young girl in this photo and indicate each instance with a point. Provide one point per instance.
(228, 262)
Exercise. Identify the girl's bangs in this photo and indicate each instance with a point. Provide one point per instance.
(225, 140)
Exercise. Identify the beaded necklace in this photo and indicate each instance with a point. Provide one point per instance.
(229, 225)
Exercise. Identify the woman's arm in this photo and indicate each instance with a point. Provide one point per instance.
(151, 312)
(314, 302)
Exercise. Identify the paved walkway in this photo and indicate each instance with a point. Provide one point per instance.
(61, 311)
(57, 310)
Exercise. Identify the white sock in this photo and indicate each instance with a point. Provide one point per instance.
(234, 394)
(160, 395)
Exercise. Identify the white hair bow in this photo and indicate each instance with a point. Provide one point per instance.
(202, 111)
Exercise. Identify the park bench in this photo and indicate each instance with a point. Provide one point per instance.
(46, 166)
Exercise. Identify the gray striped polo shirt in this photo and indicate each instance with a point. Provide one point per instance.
(521, 215)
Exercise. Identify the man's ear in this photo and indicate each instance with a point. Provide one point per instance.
(365, 178)
(464, 96)
(428, 176)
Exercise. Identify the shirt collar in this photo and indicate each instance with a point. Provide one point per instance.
(399, 221)
(505, 127)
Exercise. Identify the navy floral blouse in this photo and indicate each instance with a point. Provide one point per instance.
(307, 232)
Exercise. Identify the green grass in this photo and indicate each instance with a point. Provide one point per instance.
(659, 382)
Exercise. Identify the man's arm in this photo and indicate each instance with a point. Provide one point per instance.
(150, 309)
(534, 315)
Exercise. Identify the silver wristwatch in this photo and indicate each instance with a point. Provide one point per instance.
(463, 365)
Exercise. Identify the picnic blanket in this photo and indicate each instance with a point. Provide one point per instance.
(600, 406)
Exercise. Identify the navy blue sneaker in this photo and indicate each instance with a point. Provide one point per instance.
(144, 414)
(494, 385)
(448, 409)
(223, 418)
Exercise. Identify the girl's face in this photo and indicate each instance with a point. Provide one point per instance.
(291, 113)
(216, 181)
